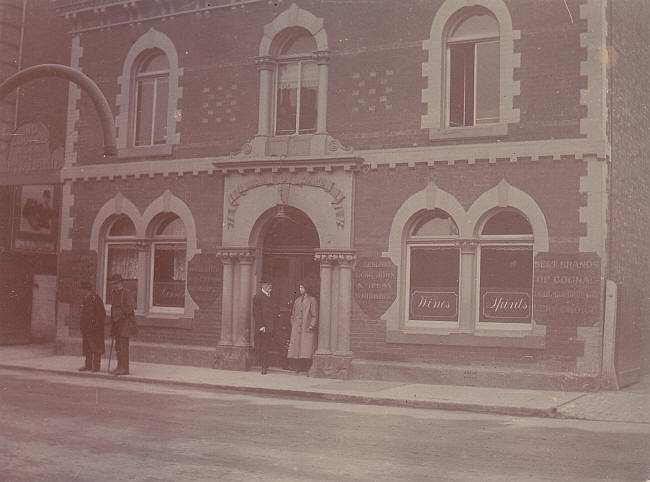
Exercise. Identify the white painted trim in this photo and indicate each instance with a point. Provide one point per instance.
(294, 16)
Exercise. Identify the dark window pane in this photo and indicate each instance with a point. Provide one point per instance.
(507, 222)
(461, 85)
(169, 275)
(171, 227)
(144, 111)
(506, 283)
(434, 284)
(487, 82)
(304, 44)
(155, 63)
(160, 127)
(122, 227)
(308, 109)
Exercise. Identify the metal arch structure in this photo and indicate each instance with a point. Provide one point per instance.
(77, 77)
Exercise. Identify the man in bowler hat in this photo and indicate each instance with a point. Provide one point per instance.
(123, 322)
(93, 315)
(264, 314)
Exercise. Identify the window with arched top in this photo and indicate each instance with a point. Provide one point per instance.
(121, 255)
(433, 258)
(473, 90)
(151, 88)
(169, 264)
(506, 268)
(296, 80)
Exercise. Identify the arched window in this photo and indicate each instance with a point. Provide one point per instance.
(121, 255)
(473, 93)
(506, 268)
(296, 93)
(151, 87)
(433, 258)
(169, 264)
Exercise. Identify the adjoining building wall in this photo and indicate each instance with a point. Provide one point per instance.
(629, 230)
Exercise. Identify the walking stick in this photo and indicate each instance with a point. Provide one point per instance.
(110, 355)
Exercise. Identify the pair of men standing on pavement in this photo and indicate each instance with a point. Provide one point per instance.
(123, 325)
(303, 324)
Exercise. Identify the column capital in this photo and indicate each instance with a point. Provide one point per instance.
(228, 255)
(264, 63)
(467, 245)
(322, 57)
(330, 256)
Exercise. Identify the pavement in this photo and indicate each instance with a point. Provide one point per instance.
(630, 405)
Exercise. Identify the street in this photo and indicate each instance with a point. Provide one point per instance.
(61, 428)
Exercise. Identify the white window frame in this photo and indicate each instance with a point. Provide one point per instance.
(140, 76)
(287, 60)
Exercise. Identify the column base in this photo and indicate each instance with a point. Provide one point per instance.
(232, 358)
(331, 366)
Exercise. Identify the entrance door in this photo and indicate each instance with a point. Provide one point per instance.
(15, 299)
(289, 247)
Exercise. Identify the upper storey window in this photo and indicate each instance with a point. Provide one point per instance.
(473, 71)
(297, 86)
(151, 100)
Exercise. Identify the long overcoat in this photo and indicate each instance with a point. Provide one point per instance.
(303, 317)
(122, 314)
(93, 315)
(264, 314)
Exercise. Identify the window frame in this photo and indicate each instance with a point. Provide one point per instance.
(412, 241)
(300, 60)
(157, 239)
(134, 116)
(129, 240)
(526, 241)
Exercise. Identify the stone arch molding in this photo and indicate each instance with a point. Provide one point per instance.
(167, 202)
(320, 198)
(150, 40)
(294, 16)
(503, 195)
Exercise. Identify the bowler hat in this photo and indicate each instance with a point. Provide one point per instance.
(85, 285)
(115, 278)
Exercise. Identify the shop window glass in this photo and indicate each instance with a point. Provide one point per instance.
(122, 259)
(434, 268)
(169, 264)
(506, 269)
(473, 71)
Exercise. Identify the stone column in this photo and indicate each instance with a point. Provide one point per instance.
(142, 280)
(242, 331)
(266, 69)
(322, 59)
(226, 302)
(233, 351)
(324, 316)
(333, 358)
(345, 304)
(465, 299)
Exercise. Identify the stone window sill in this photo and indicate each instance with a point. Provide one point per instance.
(535, 339)
(471, 132)
(164, 320)
(145, 151)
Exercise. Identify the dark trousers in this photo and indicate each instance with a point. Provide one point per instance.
(264, 344)
(122, 350)
(93, 361)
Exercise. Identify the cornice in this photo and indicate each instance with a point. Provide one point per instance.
(535, 151)
(91, 15)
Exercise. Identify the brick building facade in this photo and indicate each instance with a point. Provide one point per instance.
(461, 184)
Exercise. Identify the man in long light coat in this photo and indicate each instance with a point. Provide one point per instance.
(304, 320)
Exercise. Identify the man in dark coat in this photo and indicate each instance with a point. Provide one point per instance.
(93, 315)
(123, 322)
(264, 314)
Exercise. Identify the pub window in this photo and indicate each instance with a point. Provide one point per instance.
(296, 93)
(473, 70)
(121, 256)
(151, 99)
(169, 264)
(434, 268)
(506, 269)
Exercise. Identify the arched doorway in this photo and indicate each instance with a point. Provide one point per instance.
(289, 241)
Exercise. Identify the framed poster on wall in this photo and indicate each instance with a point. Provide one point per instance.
(35, 218)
